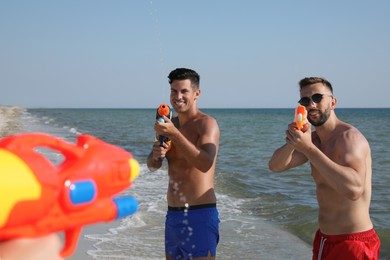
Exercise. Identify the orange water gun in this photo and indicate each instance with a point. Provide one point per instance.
(163, 110)
(38, 197)
(300, 116)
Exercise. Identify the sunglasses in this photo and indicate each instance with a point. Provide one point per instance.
(316, 98)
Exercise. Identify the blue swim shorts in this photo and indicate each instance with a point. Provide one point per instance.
(192, 232)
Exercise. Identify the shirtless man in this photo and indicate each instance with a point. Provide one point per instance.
(340, 160)
(192, 222)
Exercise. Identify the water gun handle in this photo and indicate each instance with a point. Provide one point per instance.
(163, 110)
(300, 116)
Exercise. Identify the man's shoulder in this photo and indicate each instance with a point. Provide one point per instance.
(348, 129)
(349, 133)
(204, 118)
(205, 123)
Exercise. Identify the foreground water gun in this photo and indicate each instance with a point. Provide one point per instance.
(163, 110)
(38, 197)
(300, 116)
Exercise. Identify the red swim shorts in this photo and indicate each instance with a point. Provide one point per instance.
(363, 246)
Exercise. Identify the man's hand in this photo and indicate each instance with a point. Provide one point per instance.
(166, 128)
(299, 139)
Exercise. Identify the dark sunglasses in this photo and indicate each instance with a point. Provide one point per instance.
(317, 98)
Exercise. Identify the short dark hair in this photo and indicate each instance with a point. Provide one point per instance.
(313, 80)
(182, 74)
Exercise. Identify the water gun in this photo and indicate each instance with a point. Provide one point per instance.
(300, 116)
(163, 110)
(38, 197)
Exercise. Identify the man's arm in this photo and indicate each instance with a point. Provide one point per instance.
(155, 158)
(287, 156)
(281, 159)
(45, 247)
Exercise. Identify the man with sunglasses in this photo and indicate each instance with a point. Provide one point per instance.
(340, 160)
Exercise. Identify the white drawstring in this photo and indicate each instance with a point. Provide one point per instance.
(322, 243)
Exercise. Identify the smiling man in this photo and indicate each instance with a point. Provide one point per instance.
(192, 221)
(340, 159)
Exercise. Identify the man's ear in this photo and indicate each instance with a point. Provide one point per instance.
(334, 102)
(197, 94)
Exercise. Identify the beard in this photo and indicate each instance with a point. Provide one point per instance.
(323, 117)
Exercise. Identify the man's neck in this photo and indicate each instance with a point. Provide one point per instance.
(188, 115)
(325, 131)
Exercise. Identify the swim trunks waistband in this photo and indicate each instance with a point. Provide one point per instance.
(364, 235)
(201, 206)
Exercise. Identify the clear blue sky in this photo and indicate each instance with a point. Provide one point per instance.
(250, 54)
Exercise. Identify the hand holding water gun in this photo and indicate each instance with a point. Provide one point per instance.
(163, 110)
(38, 198)
(300, 117)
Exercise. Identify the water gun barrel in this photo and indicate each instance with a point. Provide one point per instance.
(39, 198)
(163, 110)
(126, 206)
(300, 116)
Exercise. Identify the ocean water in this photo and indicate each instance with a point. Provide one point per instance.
(263, 215)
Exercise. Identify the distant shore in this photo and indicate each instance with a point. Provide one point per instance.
(10, 120)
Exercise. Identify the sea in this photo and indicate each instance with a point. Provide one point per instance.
(264, 215)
